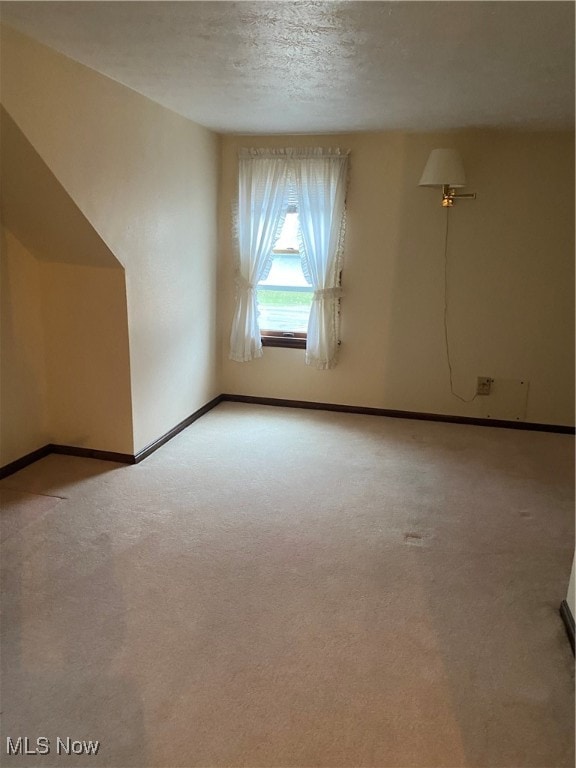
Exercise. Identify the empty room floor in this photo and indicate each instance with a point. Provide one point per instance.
(280, 587)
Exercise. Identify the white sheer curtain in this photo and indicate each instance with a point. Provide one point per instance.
(262, 204)
(320, 180)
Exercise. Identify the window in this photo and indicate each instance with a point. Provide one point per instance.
(278, 287)
(284, 293)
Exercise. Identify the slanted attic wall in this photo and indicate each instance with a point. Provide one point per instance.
(145, 179)
(65, 356)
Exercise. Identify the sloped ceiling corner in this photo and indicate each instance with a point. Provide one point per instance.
(39, 211)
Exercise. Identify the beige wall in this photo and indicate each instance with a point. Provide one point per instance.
(65, 357)
(23, 388)
(87, 356)
(510, 279)
(146, 179)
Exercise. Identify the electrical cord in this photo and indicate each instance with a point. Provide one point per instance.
(463, 399)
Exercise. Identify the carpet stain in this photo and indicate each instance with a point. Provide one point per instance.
(413, 538)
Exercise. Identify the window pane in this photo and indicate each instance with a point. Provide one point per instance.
(286, 270)
(284, 309)
(285, 296)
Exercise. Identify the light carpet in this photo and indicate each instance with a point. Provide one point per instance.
(278, 587)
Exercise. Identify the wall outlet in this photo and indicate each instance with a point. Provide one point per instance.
(483, 385)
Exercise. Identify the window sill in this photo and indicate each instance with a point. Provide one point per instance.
(290, 342)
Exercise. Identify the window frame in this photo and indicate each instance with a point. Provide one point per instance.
(286, 339)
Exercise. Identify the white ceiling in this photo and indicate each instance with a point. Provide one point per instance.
(308, 67)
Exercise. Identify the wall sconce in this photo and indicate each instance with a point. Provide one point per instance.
(444, 169)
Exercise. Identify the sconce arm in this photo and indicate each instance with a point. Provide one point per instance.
(449, 195)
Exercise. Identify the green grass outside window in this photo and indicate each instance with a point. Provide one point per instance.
(284, 298)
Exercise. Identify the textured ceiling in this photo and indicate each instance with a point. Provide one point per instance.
(283, 67)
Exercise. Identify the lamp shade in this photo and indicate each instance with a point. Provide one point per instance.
(444, 168)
